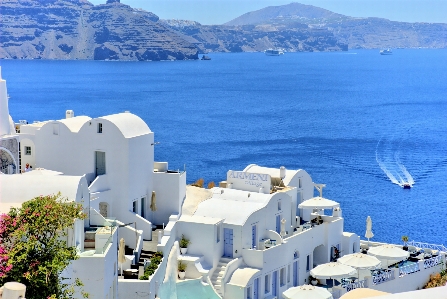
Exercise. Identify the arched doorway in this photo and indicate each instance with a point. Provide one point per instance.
(8, 165)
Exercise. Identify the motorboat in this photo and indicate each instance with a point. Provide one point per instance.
(204, 57)
(386, 52)
(406, 186)
(273, 52)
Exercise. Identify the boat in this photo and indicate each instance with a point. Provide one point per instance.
(386, 52)
(273, 52)
(204, 57)
(406, 186)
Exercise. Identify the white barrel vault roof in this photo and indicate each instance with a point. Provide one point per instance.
(242, 276)
(16, 188)
(129, 124)
(235, 206)
(74, 124)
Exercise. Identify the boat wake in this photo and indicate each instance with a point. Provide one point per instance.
(388, 157)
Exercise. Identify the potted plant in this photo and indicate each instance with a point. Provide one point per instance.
(405, 240)
(181, 269)
(184, 242)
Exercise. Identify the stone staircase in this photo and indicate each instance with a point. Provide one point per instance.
(216, 278)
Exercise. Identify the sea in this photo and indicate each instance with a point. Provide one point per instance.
(361, 123)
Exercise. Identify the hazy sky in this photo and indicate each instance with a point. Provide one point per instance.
(221, 11)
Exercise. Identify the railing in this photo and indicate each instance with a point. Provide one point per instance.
(382, 276)
(431, 262)
(106, 245)
(408, 269)
(355, 285)
(426, 245)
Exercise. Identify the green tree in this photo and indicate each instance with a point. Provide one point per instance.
(33, 250)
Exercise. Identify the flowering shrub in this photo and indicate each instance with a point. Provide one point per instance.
(33, 250)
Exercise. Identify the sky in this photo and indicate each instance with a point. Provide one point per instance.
(215, 12)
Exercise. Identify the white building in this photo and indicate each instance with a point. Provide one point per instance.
(250, 236)
(107, 163)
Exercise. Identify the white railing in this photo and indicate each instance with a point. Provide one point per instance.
(382, 276)
(356, 285)
(408, 269)
(426, 245)
(431, 262)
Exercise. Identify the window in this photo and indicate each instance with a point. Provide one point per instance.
(279, 205)
(218, 233)
(282, 276)
(99, 127)
(299, 183)
(135, 206)
(267, 284)
(308, 263)
(248, 292)
(27, 150)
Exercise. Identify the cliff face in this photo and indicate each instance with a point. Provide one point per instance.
(367, 33)
(76, 29)
(371, 33)
(293, 37)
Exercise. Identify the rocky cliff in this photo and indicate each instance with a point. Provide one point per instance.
(292, 37)
(364, 33)
(76, 29)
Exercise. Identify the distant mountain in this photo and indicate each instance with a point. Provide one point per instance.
(292, 12)
(76, 29)
(355, 32)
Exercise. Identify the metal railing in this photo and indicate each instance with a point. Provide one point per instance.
(379, 277)
(433, 261)
(427, 245)
(408, 269)
(355, 285)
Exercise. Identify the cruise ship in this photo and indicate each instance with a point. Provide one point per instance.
(273, 52)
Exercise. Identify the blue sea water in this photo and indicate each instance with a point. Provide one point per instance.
(357, 121)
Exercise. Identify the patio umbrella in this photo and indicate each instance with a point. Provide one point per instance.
(389, 252)
(307, 292)
(360, 261)
(318, 203)
(362, 293)
(153, 202)
(369, 234)
(332, 271)
(121, 254)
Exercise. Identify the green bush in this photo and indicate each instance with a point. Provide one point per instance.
(153, 266)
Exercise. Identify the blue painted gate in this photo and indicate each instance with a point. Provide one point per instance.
(228, 242)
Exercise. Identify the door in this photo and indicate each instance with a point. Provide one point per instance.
(100, 160)
(143, 207)
(278, 223)
(228, 242)
(253, 237)
(256, 289)
(274, 282)
(295, 274)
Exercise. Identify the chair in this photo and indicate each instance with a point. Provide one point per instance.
(427, 253)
